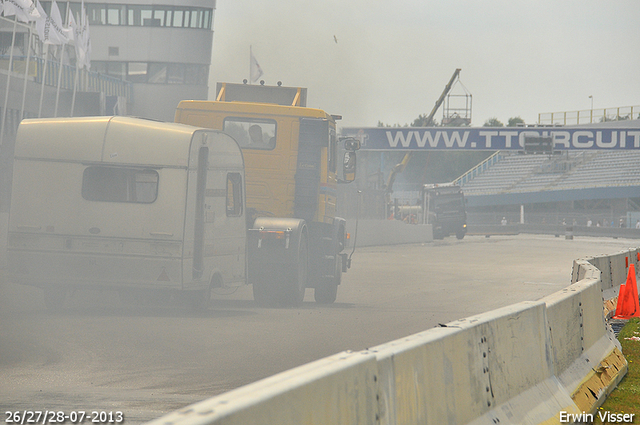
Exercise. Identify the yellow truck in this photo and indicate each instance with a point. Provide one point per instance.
(127, 204)
(293, 164)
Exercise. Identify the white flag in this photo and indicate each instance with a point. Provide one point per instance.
(50, 29)
(75, 31)
(25, 10)
(79, 41)
(254, 67)
(86, 38)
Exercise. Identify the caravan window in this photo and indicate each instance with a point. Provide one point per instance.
(117, 184)
(234, 195)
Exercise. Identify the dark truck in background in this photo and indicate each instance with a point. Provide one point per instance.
(443, 207)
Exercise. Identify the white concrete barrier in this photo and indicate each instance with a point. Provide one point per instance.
(586, 354)
(528, 363)
(489, 368)
(339, 389)
(4, 228)
(601, 262)
(619, 267)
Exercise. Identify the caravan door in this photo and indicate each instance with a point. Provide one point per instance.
(215, 231)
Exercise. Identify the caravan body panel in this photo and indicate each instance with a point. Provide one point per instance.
(110, 202)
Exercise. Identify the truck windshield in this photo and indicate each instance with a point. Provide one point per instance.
(448, 203)
(252, 133)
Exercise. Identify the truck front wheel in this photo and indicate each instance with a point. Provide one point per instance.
(295, 284)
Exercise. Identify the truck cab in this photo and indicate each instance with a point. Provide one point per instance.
(292, 172)
(443, 207)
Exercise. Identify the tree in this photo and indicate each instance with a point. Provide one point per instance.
(514, 121)
(421, 121)
(493, 122)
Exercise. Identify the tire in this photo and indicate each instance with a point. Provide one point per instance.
(295, 284)
(262, 294)
(460, 235)
(328, 292)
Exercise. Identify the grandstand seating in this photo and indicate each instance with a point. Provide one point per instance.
(517, 173)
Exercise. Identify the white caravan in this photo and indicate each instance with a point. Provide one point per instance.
(127, 204)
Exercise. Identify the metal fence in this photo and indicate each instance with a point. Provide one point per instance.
(589, 116)
(87, 81)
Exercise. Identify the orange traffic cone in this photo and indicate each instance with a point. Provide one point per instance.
(628, 303)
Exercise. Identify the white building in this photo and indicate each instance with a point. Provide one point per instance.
(162, 47)
(146, 56)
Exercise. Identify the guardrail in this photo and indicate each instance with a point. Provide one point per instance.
(88, 81)
(484, 165)
(589, 116)
(558, 230)
(533, 362)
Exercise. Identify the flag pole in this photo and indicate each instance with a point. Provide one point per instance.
(75, 85)
(250, 62)
(77, 73)
(44, 75)
(60, 69)
(26, 74)
(6, 92)
(80, 47)
(55, 110)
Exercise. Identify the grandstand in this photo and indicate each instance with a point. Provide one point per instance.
(578, 185)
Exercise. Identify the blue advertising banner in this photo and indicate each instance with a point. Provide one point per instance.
(492, 138)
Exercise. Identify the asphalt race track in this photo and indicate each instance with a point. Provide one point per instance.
(99, 355)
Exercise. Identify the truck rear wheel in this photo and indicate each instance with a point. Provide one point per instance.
(264, 290)
(328, 291)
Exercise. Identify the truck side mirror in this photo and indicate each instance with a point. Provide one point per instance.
(351, 144)
(349, 167)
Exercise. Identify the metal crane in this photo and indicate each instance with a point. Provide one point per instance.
(398, 168)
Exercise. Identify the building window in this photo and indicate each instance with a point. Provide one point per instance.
(153, 73)
(137, 72)
(157, 73)
(116, 14)
(97, 14)
(175, 73)
(116, 184)
(141, 15)
(110, 68)
(195, 74)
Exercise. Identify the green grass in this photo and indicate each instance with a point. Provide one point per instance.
(626, 397)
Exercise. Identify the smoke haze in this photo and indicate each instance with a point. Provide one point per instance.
(376, 61)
